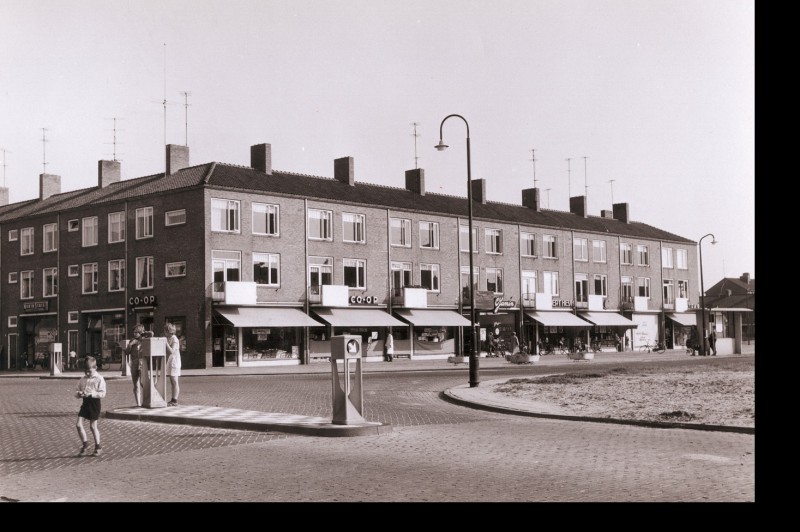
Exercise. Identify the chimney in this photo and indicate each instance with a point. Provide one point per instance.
(577, 205)
(531, 199)
(261, 158)
(3, 196)
(344, 170)
(621, 212)
(108, 172)
(479, 190)
(177, 158)
(606, 213)
(415, 181)
(49, 185)
(745, 278)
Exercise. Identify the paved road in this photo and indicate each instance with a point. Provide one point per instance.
(437, 451)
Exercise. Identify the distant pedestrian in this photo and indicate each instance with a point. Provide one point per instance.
(388, 348)
(489, 344)
(91, 388)
(173, 362)
(712, 342)
(514, 343)
(73, 360)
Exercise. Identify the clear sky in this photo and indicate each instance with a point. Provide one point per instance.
(656, 95)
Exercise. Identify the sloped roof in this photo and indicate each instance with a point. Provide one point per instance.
(313, 187)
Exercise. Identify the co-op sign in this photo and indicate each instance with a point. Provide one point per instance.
(363, 300)
(143, 301)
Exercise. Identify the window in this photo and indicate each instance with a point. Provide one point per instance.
(429, 235)
(353, 228)
(580, 248)
(26, 241)
(176, 217)
(465, 281)
(669, 292)
(50, 278)
(89, 231)
(600, 284)
(89, 278)
(429, 276)
(144, 273)
(73, 225)
(144, 223)
(355, 273)
(400, 232)
(319, 225)
(493, 239)
(682, 259)
(643, 255)
(683, 288)
(463, 238)
(549, 250)
(116, 275)
(116, 227)
(626, 253)
(626, 289)
(527, 244)
(12, 321)
(643, 287)
(581, 288)
(175, 269)
(265, 219)
(550, 283)
(49, 238)
(26, 285)
(266, 268)
(401, 275)
(666, 258)
(13, 235)
(73, 270)
(528, 285)
(72, 317)
(320, 271)
(13, 277)
(599, 250)
(226, 265)
(224, 215)
(494, 280)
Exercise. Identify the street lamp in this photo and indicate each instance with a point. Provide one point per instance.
(703, 293)
(473, 357)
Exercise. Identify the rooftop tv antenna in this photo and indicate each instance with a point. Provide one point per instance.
(611, 182)
(114, 143)
(416, 135)
(548, 197)
(569, 178)
(186, 95)
(4, 165)
(585, 182)
(533, 159)
(44, 153)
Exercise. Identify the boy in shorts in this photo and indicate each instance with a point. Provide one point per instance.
(91, 388)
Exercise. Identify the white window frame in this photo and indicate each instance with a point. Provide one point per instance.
(550, 247)
(666, 258)
(580, 249)
(72, 316)
(643, 287)
(13, 235)
(117, 265)
(529, 279)
(435, 277)
(493, 241)
(49, 238)
(360, 266)
(318, 268)
(12, 321)
(176, 217)
(322, 220)
(550, 283)
(49, 282)
(527, 244)
(89, 231)
(601, 284)
(144, 223)
(682, 288)
(400, 229)
(642, 255)
(116, 227)
(26, 281)
(682, 259)
(13, 277)
(627, 289)
(626, 253)
(599, 254)
(26, 243)
(405, 277)
(175, 269)
(581, 288)
(90, 269)
(74, 270)
(463, 238)
(431, 232)
(226, 261)
(354, 228)
(496, 275)
(271, 218)
(464, 276)
(73, 225)
(273, 262)
(225, 215)
(668, 291)
(145, 273)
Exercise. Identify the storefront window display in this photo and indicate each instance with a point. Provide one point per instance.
(270, 343)
(434, 340)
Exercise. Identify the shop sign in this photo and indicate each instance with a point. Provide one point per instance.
(363, 300)
(693, 306)
(499, 303)
(35, 306)
(143, 301)
(562, 303)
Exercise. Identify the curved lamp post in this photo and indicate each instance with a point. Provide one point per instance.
(473, 357)
(703, 293)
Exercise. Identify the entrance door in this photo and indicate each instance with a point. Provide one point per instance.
(13, 355)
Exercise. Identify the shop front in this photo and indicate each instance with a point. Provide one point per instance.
(104, 337)
(36, 333)
(556, 327)
(372, 324)
(680, 327)
(646, 332)
(609, 331)
(433, 332)
(259, 336)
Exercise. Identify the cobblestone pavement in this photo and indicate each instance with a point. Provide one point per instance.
(437, 451)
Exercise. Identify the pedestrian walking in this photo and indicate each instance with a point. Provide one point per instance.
(388, 348)
(712, 342)
(490, 344)
(173, 362)
(73, 360)
(91, 388)
(514, 344)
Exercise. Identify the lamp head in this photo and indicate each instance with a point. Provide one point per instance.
(441, 146)
(713, 241)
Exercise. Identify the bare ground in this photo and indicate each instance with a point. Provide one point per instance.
(699, 394)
